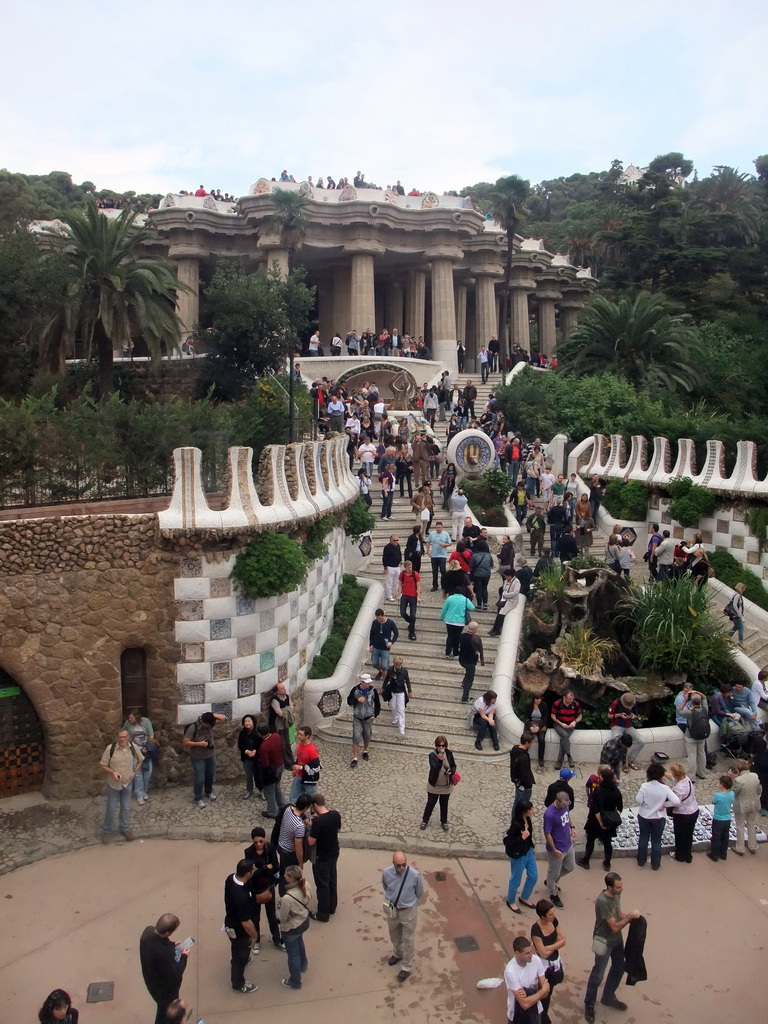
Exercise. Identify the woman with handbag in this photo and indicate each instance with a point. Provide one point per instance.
(604, 818)
(480, 572)
(518, 846)
(685, 815)
(293, 915)
(548, 939)
(442, 770)
(508, 600)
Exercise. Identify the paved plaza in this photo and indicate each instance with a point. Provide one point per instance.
(706, 922)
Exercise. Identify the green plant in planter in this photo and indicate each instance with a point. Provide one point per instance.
(497, 482)
(552, 582)
(690, 503)
(271, 564)
(626, 500)
(314, 543)
(494, 517)
(359, 520)
(587, 562)
(582, 650)
(348, 603)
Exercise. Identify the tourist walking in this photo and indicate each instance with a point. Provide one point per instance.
(481, 566)
(364, 701)
(142, 733)
(293, 915)
(414, 548)
(403, 888)
(735, 612)
(470, 652)
(653, 799)
(161, 967)
(455, 612)
(409, 592)
(439, 541)
(383, 635)
(608, 945)
(396, 691)
(604, 817)
(391, 557)
(248, 743)
(324, 837)
(440, 782)
(520, 771)
(548, 939)
(685, 815)
(519, 847)
(566, 715)
(120, 761)
(746, 806)
(198, 739)
(559, 834)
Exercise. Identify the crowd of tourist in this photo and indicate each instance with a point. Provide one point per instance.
(359, 181)
(201, 192)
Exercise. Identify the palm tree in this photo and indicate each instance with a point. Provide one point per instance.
(115, 294)
(290, 221)
(640, 338)
(733, 203)
(508, 206)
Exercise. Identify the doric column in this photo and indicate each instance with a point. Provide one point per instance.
(547, 294)
(188, 302)
(341, 296)
(417, 290)
(461, 312)
(570, 305)
(279, 257)
(325, 323)
(362, 299)
(485, 309)
(518, 296)
(394, 312)
(443, 312)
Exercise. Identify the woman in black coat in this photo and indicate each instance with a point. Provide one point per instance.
(607, 803)
(537, 714)
(414, 549)
(442, 767)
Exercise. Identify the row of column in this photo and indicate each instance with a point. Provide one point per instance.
(347, 301)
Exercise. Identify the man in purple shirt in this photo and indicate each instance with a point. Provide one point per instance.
(559, 834)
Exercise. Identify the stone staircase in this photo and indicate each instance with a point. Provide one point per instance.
(436, 706)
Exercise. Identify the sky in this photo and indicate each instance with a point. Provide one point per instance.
(164, 96)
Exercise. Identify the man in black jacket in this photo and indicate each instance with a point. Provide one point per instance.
(161, 970)
(520, 771)
(568, 548)
(391, 557)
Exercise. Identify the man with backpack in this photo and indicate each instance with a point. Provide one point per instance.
(696, 713)
(120, 761)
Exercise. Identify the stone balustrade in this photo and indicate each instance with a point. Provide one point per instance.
(297, 482)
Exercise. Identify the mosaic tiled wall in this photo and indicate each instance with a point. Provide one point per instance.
(233, 649)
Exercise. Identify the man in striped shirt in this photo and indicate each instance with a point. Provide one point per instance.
(566, 715)
(290, 844)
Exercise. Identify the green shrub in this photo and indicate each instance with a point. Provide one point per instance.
(587, 562)
(626, 501)
(314, 544)
(271, 564)
(359, 519)
(497, 483)
(348, 604)
(494, 517)
(729, 571)
(757, 520)
(480, 496)
(690, 503)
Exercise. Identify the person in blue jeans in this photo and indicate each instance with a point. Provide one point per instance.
(293, 915)
(198, 739)
(721, 819)
(606, 933)
(518, 845)
(653, 799)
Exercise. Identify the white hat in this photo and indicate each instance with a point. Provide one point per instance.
(365, 678)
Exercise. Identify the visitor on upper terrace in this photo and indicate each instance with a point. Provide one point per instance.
(201, 191)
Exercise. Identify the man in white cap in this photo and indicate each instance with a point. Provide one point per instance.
(364, 701)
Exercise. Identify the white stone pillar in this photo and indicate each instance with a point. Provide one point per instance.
(362, 299)
(188, 302)
(394, 311)
(520, 328)
(461, 312)
(485, 309)
(547, 327)
(443, 313)
(417, 290)
(341, 297)
(279, 257)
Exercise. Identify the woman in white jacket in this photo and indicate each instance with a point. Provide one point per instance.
(653, 799)
(508, 601)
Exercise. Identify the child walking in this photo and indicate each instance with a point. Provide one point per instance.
(721, 819)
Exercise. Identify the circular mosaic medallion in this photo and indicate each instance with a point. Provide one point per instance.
(472, 453)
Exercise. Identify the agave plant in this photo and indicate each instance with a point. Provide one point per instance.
(584, 651)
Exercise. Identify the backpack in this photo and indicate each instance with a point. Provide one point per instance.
(699, 727)
(730, 611)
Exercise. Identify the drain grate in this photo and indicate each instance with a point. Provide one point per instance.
(100, 992)
(466, 943)
(439, 876)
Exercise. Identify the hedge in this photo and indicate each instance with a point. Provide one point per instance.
(348, 604)
(730, 572)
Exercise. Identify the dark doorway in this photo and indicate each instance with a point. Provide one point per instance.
(22, 743)
(133, 678)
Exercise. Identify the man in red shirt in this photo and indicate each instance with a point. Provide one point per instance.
(306, 770)
(201, 191)
(410, 592)
(271, 759)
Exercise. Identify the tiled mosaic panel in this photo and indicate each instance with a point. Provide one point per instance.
(193, 693)
(266, 700)
(246, 646)
(221, 629)
(193, 653)
(330, 703)
(246, 687)
(189, 611)
(221, 587)
(267, 619)
(266, 661)
(282, 673)
(191, 567)
(244, 605)
(223, 707)
(293, 647)
(221, 670)
(282, 634)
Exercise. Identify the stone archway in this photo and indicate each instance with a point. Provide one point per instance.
(22, 741)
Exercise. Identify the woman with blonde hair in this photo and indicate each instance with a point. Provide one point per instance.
(685, 815)
(293, 915)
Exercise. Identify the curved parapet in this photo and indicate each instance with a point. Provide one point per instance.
(581, 449)
(598, 464)
(685, 464)
(638, 457)
(743, 479)
(188, 509)
(660, 470)
(712, 474)
(617, 460)
(244, 507)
